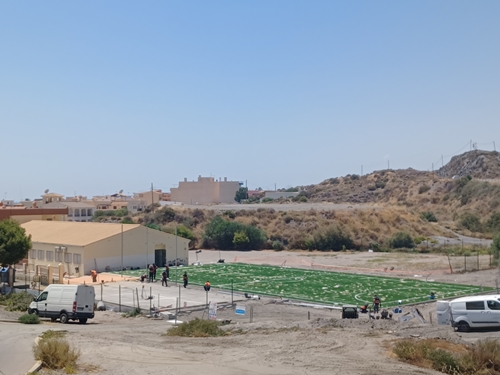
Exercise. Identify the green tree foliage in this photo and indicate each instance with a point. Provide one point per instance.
(241, 194)
(14, 244)
(240, 240)
(471, 222)
(331, 238)
(495, 246)
(429, 216)
(493, 223)
(127, 220)
(220, 234)
(185, 232)
(401, 240)
(164, 215)
(153, 226)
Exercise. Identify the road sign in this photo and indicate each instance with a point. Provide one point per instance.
(212, 311)
(240, 310)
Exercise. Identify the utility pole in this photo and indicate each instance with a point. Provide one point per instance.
(152, 200)
(442, 161)
(121, 269)
(470, 145)
(275, 186)
(388, 164)
(433, 167)
(361, 170)
(176, 264)
(494, 147)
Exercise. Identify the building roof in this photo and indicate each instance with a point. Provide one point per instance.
(52, 195)
(73, 233)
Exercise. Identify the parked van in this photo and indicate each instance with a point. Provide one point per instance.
(66, 302)
(470, 312)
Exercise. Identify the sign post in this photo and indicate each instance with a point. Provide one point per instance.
(212, 311)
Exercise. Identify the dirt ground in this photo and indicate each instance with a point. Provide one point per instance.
(282, 339)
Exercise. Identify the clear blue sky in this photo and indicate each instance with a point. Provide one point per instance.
(99, 96)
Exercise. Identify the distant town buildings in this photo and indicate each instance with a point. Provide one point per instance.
(206, 190)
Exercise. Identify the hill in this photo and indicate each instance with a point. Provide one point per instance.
(477, 164)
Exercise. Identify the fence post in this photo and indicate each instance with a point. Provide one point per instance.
(137, 298)
(478, 260)
(251, 314)
(430, 317)
(119, 298)
(465, 263)
(150, 298)
(232, 301)
(101, 291)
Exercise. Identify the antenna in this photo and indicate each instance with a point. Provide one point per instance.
(46, 191)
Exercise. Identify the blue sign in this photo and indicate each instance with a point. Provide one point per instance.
(240, 310)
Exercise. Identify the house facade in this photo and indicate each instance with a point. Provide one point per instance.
(206, 190)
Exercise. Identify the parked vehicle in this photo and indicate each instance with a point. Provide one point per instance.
(65, 302)
(470, 312)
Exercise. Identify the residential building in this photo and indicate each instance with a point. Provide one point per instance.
(149, 197)
(135, 206)
(23, 214)
(51, 197)
(205, 191)
(77, 211)
(280, 194)
(81, 247)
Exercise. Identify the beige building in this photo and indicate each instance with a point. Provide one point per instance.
(205, 191)
(77, 211)
(148, 197)
(82, 247)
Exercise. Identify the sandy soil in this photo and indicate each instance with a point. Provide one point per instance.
(281, 339)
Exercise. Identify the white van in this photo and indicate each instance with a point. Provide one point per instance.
(75, 302)
(470, 312)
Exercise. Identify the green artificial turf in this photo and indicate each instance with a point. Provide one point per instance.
(314, 285)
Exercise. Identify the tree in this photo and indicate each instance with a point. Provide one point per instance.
(14, 243)
(495, 246)
(241, 194)
(185, 232)
(400, 240)
(240, 240)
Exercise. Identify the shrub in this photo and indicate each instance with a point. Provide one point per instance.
(354, 177)
(471, 222)
(331, 238)
(429, 216)
(185, 232)
(230, 214)
(29, 319)
(380, 184)
(493, 223)
(16, 301)
(240, 240)
(56, 353)
(132, 313)
(278, 245)
(163, 216)
(423, 188)
(401, 240)
(127, 220)
(267, 200)
(220, 234)
(197, 328)
(495, 246)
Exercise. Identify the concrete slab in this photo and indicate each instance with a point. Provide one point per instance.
(162, 297)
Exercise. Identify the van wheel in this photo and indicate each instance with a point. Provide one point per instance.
(463, 327)
(82, 320)
(63, 318)
(34, 311)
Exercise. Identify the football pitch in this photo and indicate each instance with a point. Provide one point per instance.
(315, 285)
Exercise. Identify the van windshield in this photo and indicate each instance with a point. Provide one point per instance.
(493, 305)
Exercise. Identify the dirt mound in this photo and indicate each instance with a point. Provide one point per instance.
(477, 163)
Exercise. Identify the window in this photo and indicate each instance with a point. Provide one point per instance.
(50, 256)
(33, 254)
(58, 256)
(43, 296)
(77, 259)
(68, 257)
(493, 305)
(41, 255)
(476, 305)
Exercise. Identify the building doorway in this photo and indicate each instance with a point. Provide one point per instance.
(160, 257)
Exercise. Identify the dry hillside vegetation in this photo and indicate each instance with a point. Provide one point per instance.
(477, 163)
(294, 228)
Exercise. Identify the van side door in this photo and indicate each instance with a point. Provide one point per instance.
(476, 313)
(42, 304)
(493, 311)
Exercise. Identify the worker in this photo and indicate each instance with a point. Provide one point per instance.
(93, 273)
(364, 308)
(432, 296)
(185, 279)
(143, 277)
(207, 286)
(164, 278)
(376, 304)
(167, 270)
(151, 273)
